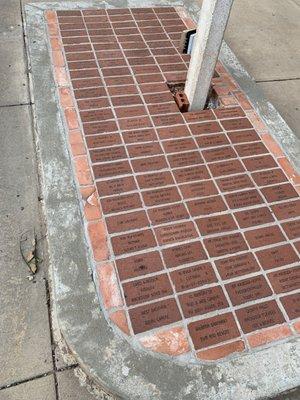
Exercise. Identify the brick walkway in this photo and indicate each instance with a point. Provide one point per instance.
(192, 217)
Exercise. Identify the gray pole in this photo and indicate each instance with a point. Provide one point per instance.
(207, 43)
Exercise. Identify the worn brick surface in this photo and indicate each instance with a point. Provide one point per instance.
(200, 216)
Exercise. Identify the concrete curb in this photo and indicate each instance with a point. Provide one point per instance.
(108, 358)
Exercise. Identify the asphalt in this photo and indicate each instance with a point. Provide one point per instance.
(265, 37)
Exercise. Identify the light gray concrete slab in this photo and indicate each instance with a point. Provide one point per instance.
(25, 349)
(38, 389)
(13, 70)
(10, 17)
(69, 387)
(285, 97)
(264, 35)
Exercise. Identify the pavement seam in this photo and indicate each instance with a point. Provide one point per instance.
(277, 80)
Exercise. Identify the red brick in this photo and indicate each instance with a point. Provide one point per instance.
(158, 98)
(142, 264)
(218, 139)
(228, 244)
(243, 136)
(291, 304)
(269, 335)
(183, 254)
(145, 149)
(119, 81)
(222, 351)
(126, 222)
(97, 235)
(127, 112)
(226, 168)
(209, 205)
(193, 277)
(156, 179)
(88, 104)
(138, 136)
(83, 173)
(119, 90)
(211, 331)
(287, 210)
(185, 159)
(173, 132)
(292, 229)
(256, 216)
(103, 140)
(76, 65)
(84, 74)
(198, 189)
(145, 69)
(161, 196)
(259, 316)
(198, 116)
(154, 315)
(148, 78)
(116, 186)
(243, 199)
(163, 108)
(222, 153)
(135, 123)
(236, 124)
(270, 177)
(176, 146)
(152, 88)
(171, 119)
(205, 128)
(89, 93)
(120, 319)
(203, 301)
(285, 280)
(111, 169)
(249, 289)
(132, 242)
(161, 215)
(234, 266)
(149, 164)
(232, 183)
(121, 203)
(279, 192)
(189, 174)
(230, 112)
(264, 236)
(260, 162)
(277, 256)
(217, 224)
(108, 286)
(178, 232)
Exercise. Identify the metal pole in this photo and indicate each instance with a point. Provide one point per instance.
(207, 43)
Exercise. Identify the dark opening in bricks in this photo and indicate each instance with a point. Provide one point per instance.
(193, 222)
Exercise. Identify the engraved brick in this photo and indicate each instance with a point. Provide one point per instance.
(176, 233)
(285, 280)
(96, 115)
(217, 224)
(260, 162)
(198, 116)
(198, 189)
(243, 199)
(292, 229)
(116, 186)
(243, 136)
(259, 316)
(251, 149)
(287, 210)
(183, 254)
(89, 93)
(132, 242)
(154, 315)
(291, 304)
(158, 98)
(249, 289)
(236, 124)
(231, 112)
(270, 177)
(136, 136)
(84, 74)
(145, 149)
(135, 123)
(149, 164)
(228, 244)
(93, 128)
(256, 216)
(205, 128)
(126, 222)
(108, 154)
(121, 203)
(226, 168)
(264, 236)
(173, 132)
(147, 289)
(118, 81)
(103, 140)
(209, 205)
(87, 104)
(111, 169)
(176, 146)
(277, 256)
(234, 266)
(171, 119)
(211, 331)
(161, 215)
(203, 301)
(193, 277)
(161, 196)
(232, 183)
(185, 159)
(216, 140)
(127, 112)
(222, 153)
(119, 90)
(156, 179)
(190, 174)
(279, 192)
(163, 108)
(142, 264)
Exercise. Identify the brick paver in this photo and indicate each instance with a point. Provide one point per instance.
(193, 218)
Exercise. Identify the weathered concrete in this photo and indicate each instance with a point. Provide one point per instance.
(69, 387)
(211, 26)
(38, 389)
(113, 363)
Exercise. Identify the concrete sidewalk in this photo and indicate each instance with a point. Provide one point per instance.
(264, 38)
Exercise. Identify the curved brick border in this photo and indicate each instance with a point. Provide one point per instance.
(78, 317)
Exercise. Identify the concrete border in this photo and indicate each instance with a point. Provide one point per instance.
(106, 357)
